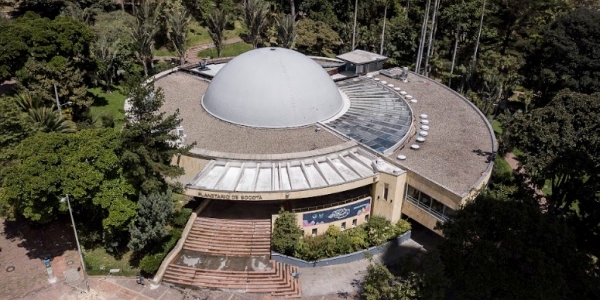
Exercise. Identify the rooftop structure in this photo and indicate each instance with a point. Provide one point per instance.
(361, 57)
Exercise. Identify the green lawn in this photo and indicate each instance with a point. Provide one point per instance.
(99, 262)
(198, 35)
(110, 104)
(228, 50)
(497, 127)
(517, 152)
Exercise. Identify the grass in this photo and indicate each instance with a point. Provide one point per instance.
(99, 262)
(109, 104)
(497, 127)
(198, 35)
(228, 50)
(517, 152)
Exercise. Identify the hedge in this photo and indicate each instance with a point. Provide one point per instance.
(151, 262)
(334, 242)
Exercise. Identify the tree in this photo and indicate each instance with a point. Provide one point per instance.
(150, 224)
(40, 78)
(14, 127)
(256, 18)
(44, 119)
(113, 46)
(560, 144)
(84, 165)
(216, 22)
(286, 233)
(286, 31)
(149, 140)
(510, 250)
(567, 56)
(380, 284)
(178, 20)
(144, 31)
(316, 38)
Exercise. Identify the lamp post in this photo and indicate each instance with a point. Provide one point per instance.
(87, 286)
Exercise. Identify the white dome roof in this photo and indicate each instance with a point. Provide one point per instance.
(272, 88)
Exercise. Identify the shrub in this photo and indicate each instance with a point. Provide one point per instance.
(402, 226)
(181, 217)
(286, 233)
(379, 230)
(151, 262)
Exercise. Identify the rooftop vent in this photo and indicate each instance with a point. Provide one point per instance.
(396, 171)
(384, 82)
(398, 89)
(425, 122)
(413, 100)
(423, 116)
(390, 85)
(415, 147)
(404, 75)
(420, 139)
(423, 133)
(401, 157)
(425, 127)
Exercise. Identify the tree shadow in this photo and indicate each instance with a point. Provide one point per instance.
(8, 88)
(41, 241)
(98, 101)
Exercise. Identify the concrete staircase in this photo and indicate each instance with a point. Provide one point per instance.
(234, 238)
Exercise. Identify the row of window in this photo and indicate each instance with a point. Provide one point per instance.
(314, 231)
(429, 204)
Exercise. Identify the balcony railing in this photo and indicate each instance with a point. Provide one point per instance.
(428, 209)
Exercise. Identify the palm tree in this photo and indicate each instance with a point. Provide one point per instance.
(145, 28)
(286, 31)
(216, 22)
(178, 20)
(47, 119)
(255, 17)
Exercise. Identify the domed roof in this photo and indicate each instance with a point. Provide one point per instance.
(272, 88)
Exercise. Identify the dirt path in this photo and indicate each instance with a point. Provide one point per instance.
(513, 161)
(192, 53)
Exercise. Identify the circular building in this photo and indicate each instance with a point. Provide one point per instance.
(333, 140)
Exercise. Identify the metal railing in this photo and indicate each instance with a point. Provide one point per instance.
(330, 205)
(432, 212)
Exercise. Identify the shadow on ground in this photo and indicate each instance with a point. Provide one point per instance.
(41, 241)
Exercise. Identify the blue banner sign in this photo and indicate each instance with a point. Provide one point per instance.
(331, 215)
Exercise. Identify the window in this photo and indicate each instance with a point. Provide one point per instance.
(343, 226)
(314, 232)
(354, 223)
(386, 191)
(437, 207)
(425, 199)
(367, 218)
(412, 192)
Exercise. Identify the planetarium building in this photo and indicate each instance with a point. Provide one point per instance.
(333, 140)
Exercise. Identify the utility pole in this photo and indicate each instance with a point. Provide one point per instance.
(87, 285)
(354, 29)
(383, 31)
(423, 34)
(473, 64)
(57, 102)
(430, 45)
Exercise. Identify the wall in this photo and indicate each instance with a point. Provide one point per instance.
(421, 216)
(391, 207)
(342, 259)
(432, 189)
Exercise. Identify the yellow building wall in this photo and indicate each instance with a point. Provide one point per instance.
(390, 208)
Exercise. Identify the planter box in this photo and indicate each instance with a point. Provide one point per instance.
(342, 259)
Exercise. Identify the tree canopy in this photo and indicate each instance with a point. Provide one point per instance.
(567, 56)
(84, 165)
(511, 250)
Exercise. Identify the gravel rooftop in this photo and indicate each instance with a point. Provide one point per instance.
(184, 92)
(456, 151)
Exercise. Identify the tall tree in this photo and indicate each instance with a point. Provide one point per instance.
(381, 284)
(286, 31)
(286, 233)
(149, 139)
(316, 38)
(84, 165)
(560, 144)
(216, 22)
(567, 56)
(256, 18)
(178, 20)
(509, 249)
(14, 127)
(144, 31)
(152, 218)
